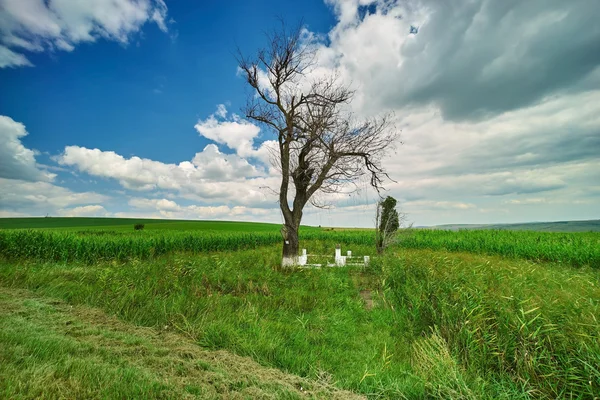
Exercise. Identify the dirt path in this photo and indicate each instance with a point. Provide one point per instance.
(170, 359)
(367, 297)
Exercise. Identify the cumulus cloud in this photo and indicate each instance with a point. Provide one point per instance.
(549, 146)
(496, 101)
(210, 176)
(170, 209)
(527, 201)
(239, 135)
(548, 151)
(38, 25)
(235, 133)
(84, 211)
(471, 59)
(17, 161)
(40, 198)
(145, 174)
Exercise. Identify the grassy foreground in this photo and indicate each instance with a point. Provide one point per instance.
(416, 324)
(49, 349)
(465, 315)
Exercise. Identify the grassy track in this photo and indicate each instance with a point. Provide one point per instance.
(49, 349)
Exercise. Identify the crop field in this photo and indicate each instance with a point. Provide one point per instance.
(126, 224)
(111, 239)
(94, 309)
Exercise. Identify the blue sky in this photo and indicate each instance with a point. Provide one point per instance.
(132, 108)
(144, 97)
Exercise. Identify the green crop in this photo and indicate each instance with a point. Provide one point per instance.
(577, 249)
(91, 246)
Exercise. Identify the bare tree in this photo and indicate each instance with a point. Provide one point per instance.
(322, 147)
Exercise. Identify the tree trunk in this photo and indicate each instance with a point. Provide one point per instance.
(291, 245)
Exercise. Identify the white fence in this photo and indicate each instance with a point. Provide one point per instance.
(340, 260)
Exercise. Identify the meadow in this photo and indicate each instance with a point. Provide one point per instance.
(104, 239)
(468, 314)
(126, 224)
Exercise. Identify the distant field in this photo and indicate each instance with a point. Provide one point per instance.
(87, 240)
(558, 226)
(126, 224)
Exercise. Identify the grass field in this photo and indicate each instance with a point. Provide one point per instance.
(94, 245)
(557, 226)
(52, 350)
(488, 314)
(126, 224)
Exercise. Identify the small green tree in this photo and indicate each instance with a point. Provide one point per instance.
(387, 223)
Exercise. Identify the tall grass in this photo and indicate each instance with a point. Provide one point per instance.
(570, 248)
(442, 325)
(304, 322)
(514, 323)
(53, 350)
(91, 246)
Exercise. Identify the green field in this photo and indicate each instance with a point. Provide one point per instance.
(204, 310)
(126, 224)
(557, 226)
(77, 242)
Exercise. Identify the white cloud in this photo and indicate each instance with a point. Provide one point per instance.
(221, 111)
(235, 133)
(9, 58)
(443, 205)
(145, 174)
(165, 208)
(84, 211)
(38, 25)
(159, 15)
(210, 176)
(217, 166)
(239, 135)
(488, 112)
(150, 204)
(534, 149)
(17, 161)
(469, 59)
(40, 198)
(527, 201)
